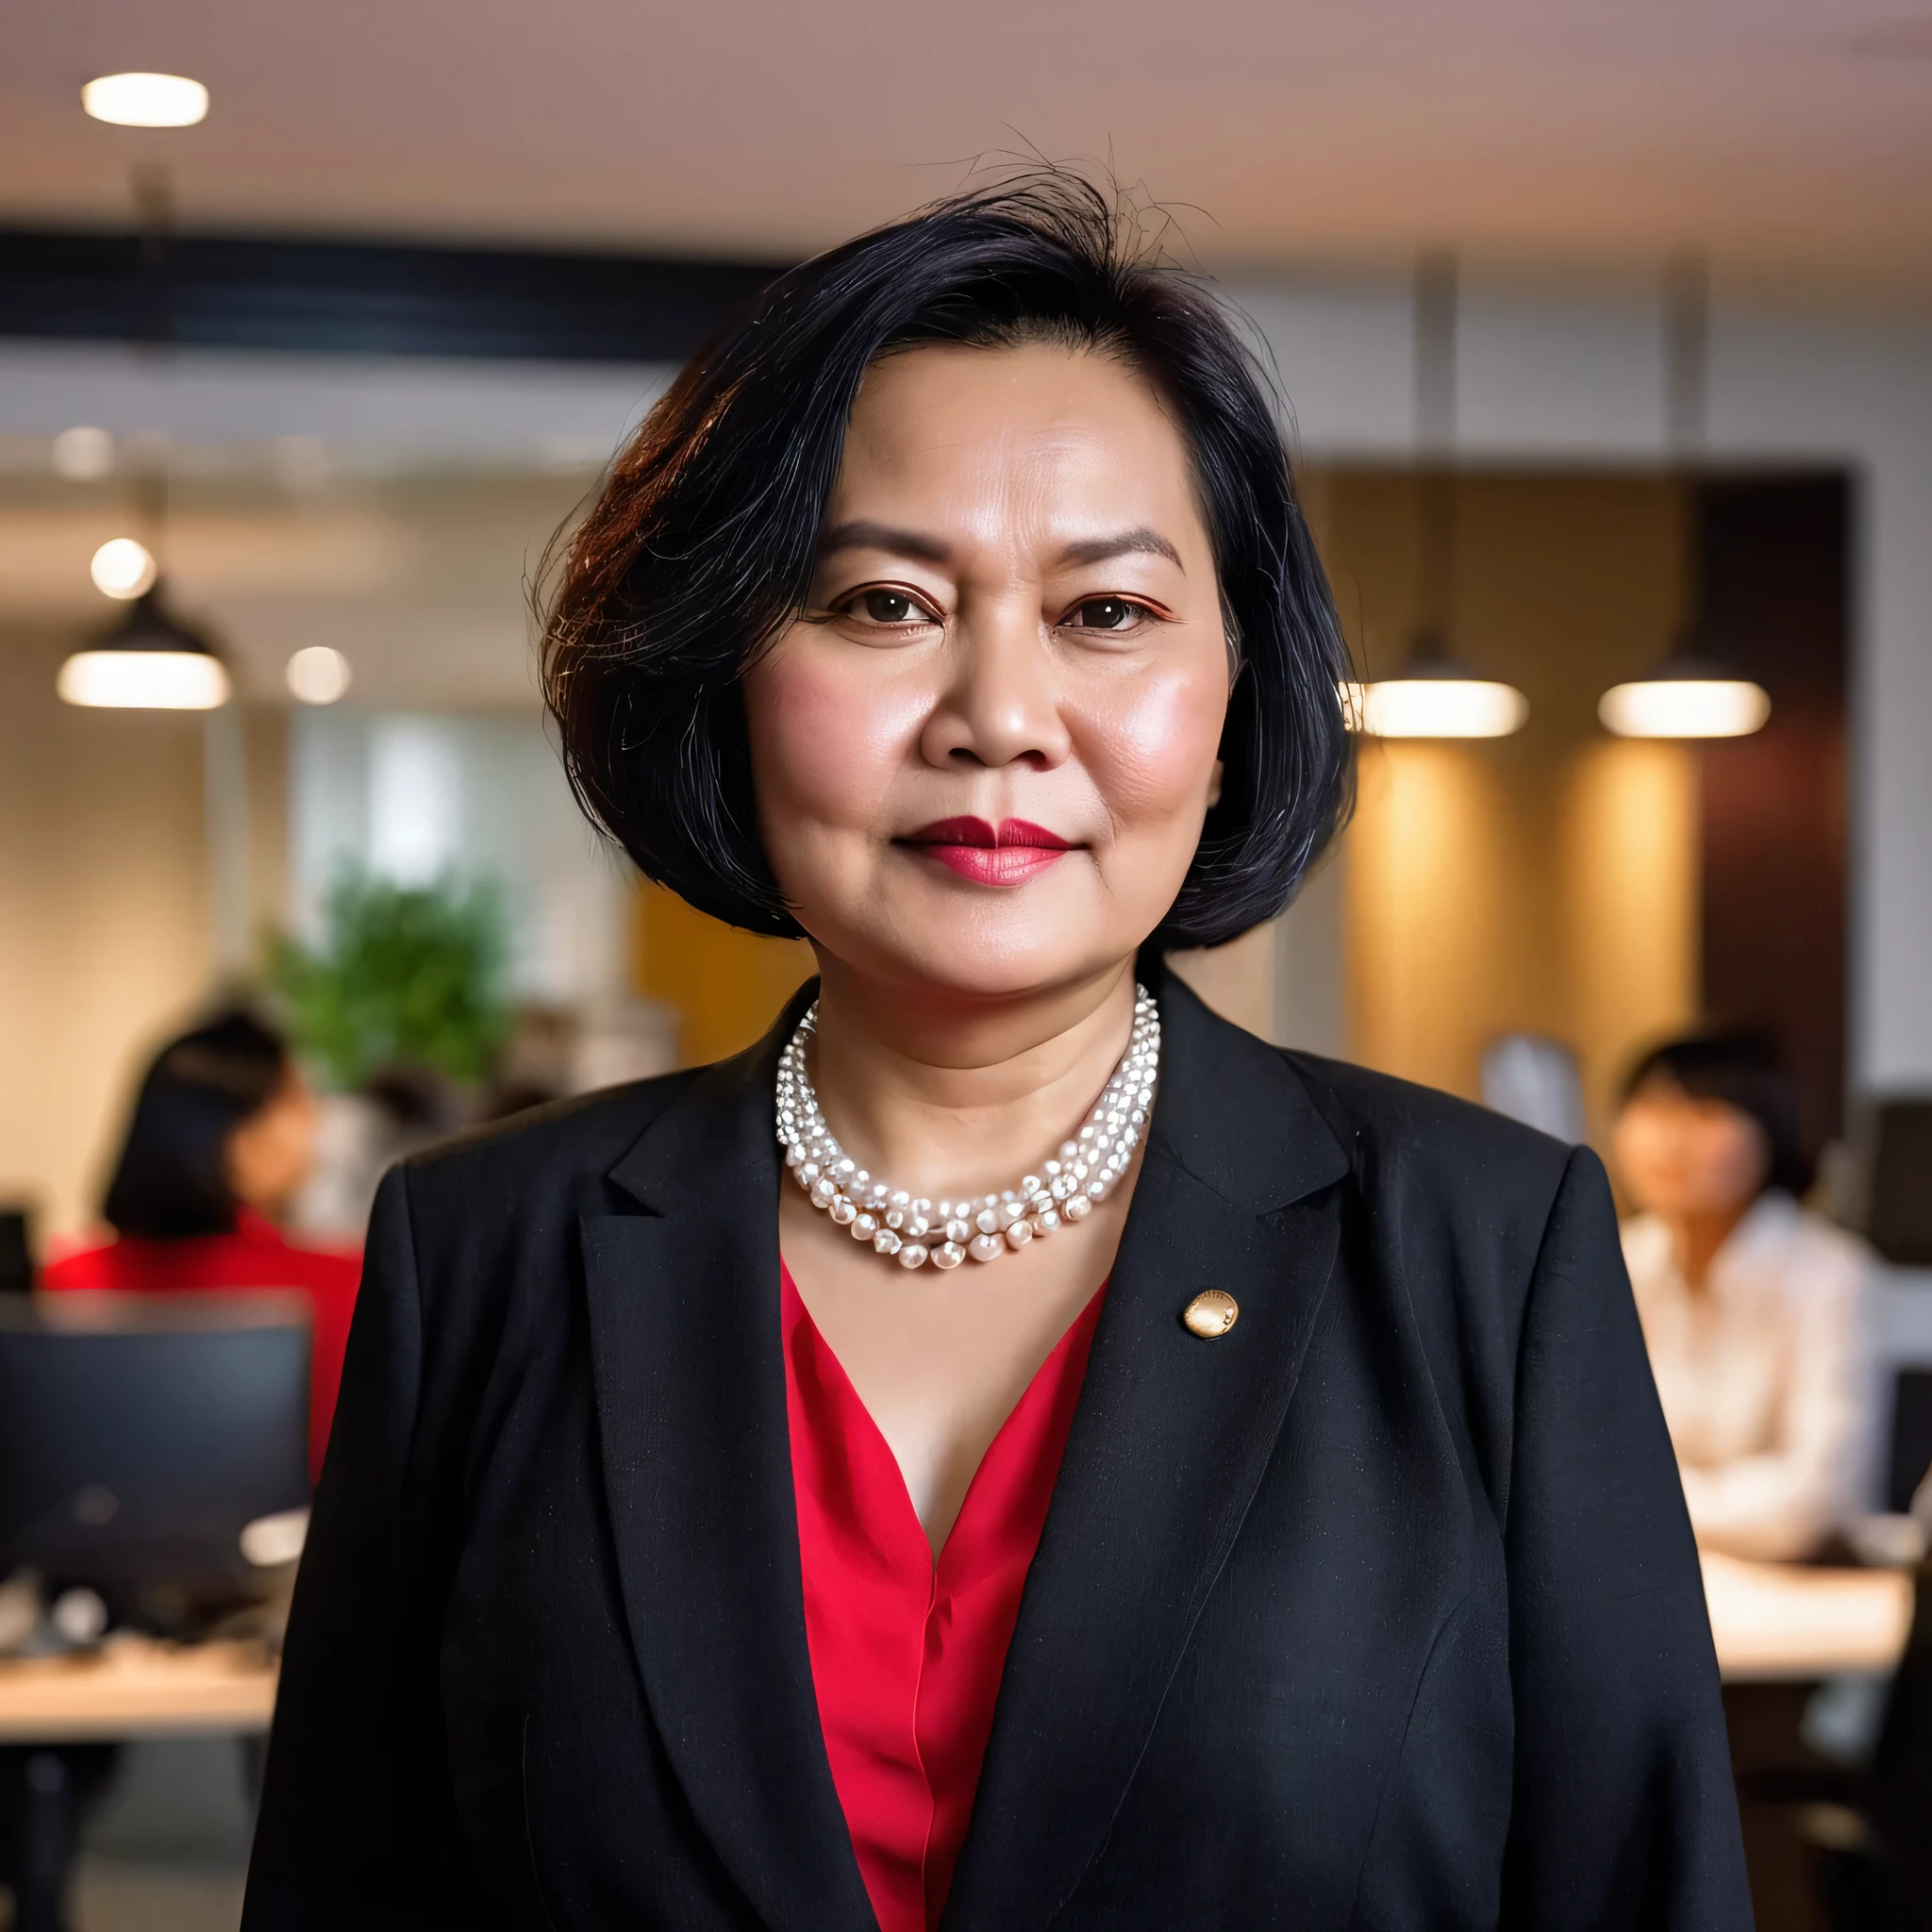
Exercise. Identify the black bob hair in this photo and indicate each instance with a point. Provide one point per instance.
(172, 1180)
(1743, 1067)
(702, 544)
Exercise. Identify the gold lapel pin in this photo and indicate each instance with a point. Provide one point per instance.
(1212, 1314)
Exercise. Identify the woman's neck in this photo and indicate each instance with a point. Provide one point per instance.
(1695, 1240)
(951, 1096)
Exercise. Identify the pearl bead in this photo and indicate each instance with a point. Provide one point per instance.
(1062, 1191)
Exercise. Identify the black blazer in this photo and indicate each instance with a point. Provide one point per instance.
(1379, 1611)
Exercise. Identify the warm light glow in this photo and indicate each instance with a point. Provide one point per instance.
(1685, 707)
(1436, 707)
(145, 680)
(317, 675)
(83, 453)
(146, 100)
(123, 567)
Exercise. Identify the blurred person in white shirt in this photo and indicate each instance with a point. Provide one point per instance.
(1752, 1307)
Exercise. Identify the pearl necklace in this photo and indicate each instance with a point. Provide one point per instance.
(913, 1232)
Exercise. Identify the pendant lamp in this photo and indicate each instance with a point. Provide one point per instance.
(150, 661)
(1686, 697)
(1694, 693)
(1436, 694)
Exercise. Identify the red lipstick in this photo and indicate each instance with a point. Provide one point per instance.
(1007, 855)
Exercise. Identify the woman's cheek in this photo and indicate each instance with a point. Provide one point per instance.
(827, 737)
(1151, 743)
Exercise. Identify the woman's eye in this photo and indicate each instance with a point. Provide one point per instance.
(889, 606)
(1104, 613)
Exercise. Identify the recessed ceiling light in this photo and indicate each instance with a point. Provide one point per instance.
(123, 567)
(317, 674)
(83, 453)
(146, 100)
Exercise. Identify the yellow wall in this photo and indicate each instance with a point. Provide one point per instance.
(726, 986)
(103, 920)
(1545, 882)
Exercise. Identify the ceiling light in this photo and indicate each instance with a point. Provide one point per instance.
(146, 100)
(123, 567)
(317, 675)
(83, 453)
(1441, 707)
(1435, 695)
(149, 662)
(1683, 698)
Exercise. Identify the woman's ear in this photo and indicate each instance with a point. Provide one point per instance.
(1214, 784)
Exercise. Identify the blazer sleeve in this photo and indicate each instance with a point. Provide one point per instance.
(357, 1827)
(1624, 1814)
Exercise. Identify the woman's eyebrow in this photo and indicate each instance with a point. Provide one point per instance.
(861, 535)
(1143, 543)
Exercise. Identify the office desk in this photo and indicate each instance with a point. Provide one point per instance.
(136, 1687)
(1784, 1623)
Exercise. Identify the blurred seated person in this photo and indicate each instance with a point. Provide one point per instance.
(221, 1140)
(1750, 1305)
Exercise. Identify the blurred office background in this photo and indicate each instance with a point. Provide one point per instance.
(1603, 329)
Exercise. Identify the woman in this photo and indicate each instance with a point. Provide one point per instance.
(221, 1140)
(1752, 1307)
(1309, 1547)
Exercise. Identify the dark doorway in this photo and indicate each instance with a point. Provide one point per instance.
(1772, 562)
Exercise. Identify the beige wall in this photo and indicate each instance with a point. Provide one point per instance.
(1544, 882)
(104, 922)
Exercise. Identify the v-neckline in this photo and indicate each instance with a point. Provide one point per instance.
(1087, 1316)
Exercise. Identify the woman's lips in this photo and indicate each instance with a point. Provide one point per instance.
(1009, 855)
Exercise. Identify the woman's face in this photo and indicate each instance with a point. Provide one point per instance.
(984, 752)
(270, 1155)
(1689, 1157)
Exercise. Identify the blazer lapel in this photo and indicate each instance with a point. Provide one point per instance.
(689, 1382)
(1168, 1444)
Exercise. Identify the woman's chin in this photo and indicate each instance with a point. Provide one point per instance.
(985, 954)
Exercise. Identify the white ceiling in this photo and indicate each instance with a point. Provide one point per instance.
(1791, 138)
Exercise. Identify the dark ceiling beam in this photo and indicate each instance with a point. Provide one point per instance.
(364, 297)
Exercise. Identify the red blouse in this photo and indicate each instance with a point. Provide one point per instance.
(254, 1256)
(906, 1654)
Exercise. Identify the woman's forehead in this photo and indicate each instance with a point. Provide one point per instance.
(1039, 433)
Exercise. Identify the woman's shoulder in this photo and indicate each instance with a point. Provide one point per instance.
(553, 1155)
(1401, 1133)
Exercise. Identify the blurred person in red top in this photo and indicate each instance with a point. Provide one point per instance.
(221, 1141)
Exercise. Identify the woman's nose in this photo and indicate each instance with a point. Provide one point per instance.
(1001, 703)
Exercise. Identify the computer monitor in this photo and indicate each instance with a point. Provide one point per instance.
(1899, 1222)
(138, 1440)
